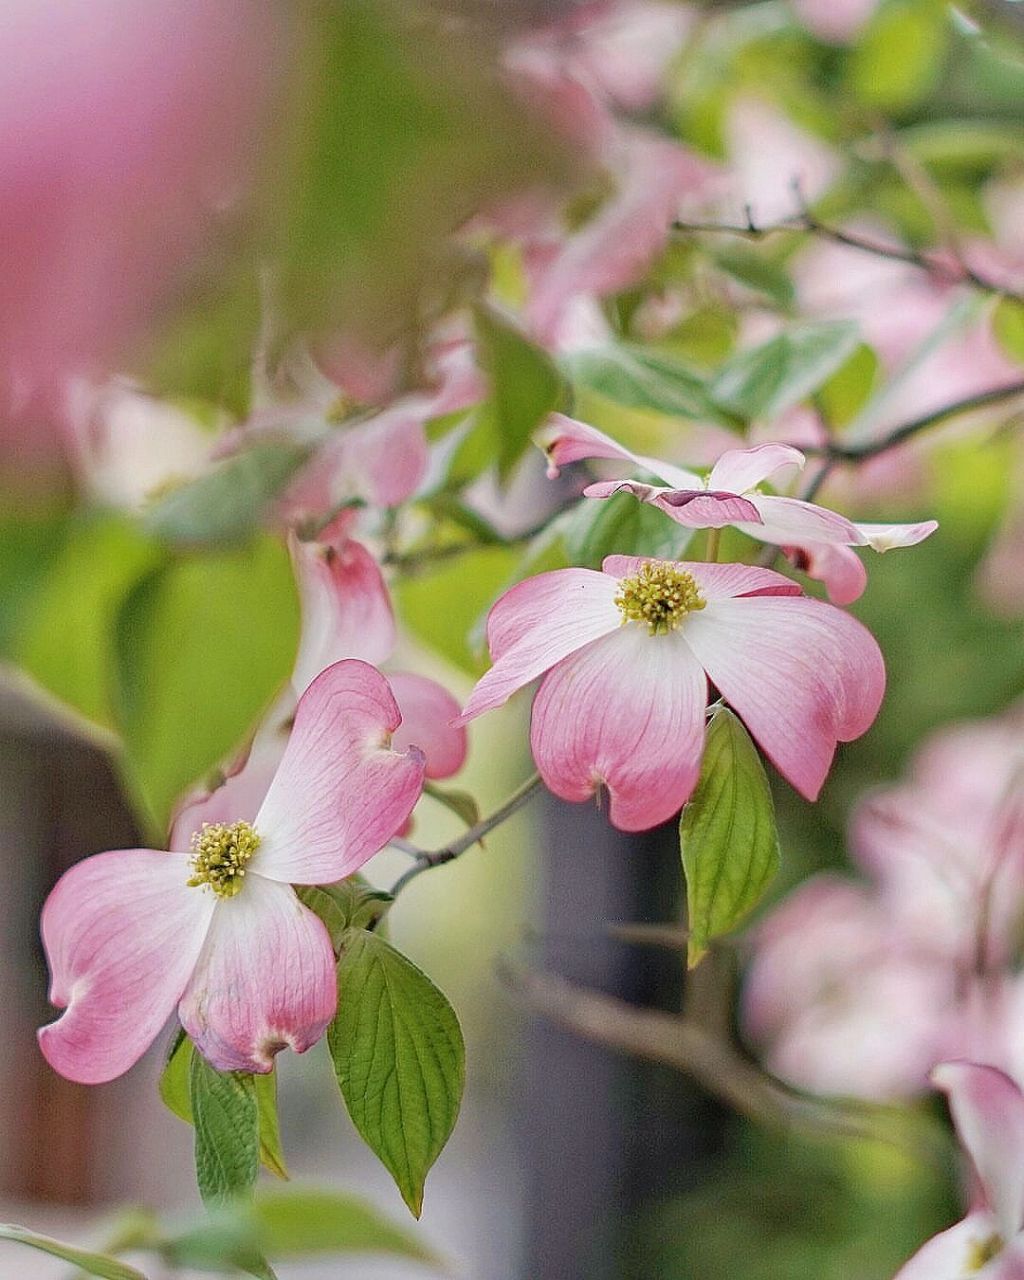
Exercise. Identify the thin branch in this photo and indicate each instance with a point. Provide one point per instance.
(474, 835)
(715, 1064)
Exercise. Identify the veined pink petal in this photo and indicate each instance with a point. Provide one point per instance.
(122, 933)
(947, 1255)
(566, 440)
(538, 623)
(839, 568)
(626, 711)
(341, 792)
(988, 1111)
(883, 537)
(716, 581)
(427, 711)
(741, 469)
(346, 608)
(789, 521)
(265, 979)
(692, 508)
(801, 674)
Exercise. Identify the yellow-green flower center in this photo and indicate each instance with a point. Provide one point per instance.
(219, 855)
(660, 596)
(981, 1252)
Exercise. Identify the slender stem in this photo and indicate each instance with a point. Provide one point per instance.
(455, 848)
(714, 537)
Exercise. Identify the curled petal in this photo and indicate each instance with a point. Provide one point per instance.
(538, 623)
(790, 521)
(122, 933)
(716, 581)
(988, 1111)
(839, 568)
(883, 537)
(802, 675)
(566, 440)
(693, 508)
(627, 711)
(741, 469)
(427, 711)
(341, 792)
(346, 608)
(265, 979)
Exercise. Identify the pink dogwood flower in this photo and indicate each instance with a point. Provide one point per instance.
(988, 1112)
(816, 539)
(627, 654)
(214, 927)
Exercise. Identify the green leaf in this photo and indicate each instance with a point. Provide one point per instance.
(174, 1092)
(727, 834)
(229, 503)
(399, 1058)
(768, 379)
(204, 643)
(1008, 326)
(348, 904)
(461, 803)
(226, 1117)
(758, 272)
(848, 390)
(898, 59)
(642, 379)
(94, 1264)
(621, 525)
(524, 386)
(66, 640)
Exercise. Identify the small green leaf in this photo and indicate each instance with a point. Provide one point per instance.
(399, 1058)
(226, 1116)
(174, 1079)
(621, 525)
(642, 379)
(94, 1264)
(898, 59)
(842, 396)
(348, 904)
(461, 803)
(758, 272)
(775, 375)
(727, 834)
(524, 386)
(229, 503)
(271, 1151)
(1008, 326)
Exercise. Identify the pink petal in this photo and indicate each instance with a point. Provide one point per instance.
(538, 623)
(566, 440)
(265, 979)
(801, 674)
(341, 793)
(427, 711)
(346, 608)
(693, 508)
(122, 933)
(386, 458)
(988, 1111)
(946, 1256)
(627, 711)
(883, 537)
(741, 469)
(716, 581)
(839, 568)
(790, 521)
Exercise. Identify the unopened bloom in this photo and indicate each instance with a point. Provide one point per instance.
(817, 539)
(988, 1112)
(628, 653)
(214, 927)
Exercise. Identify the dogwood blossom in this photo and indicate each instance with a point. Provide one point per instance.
(627, 653)
(214, 927)
(817, 539)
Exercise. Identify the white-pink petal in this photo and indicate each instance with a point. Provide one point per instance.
(738, 470)
(122, 933)
(427, 712)
(883, 537)
(716, 581)
(341, 792)
(265, 979)
(947, 1256)
(627, 711)
(839, 568)
(538, 623)
(566, 440)
(789, 521)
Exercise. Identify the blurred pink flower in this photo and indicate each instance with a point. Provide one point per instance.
(124, 131)
(837, 21)
(215, 928)
(988, 1112)
(628, 652)
(816, 539)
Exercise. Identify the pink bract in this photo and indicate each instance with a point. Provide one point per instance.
(625, 709)
(128, 939)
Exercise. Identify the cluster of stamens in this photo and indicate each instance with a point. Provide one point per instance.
(219, 856)
(660, 596)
